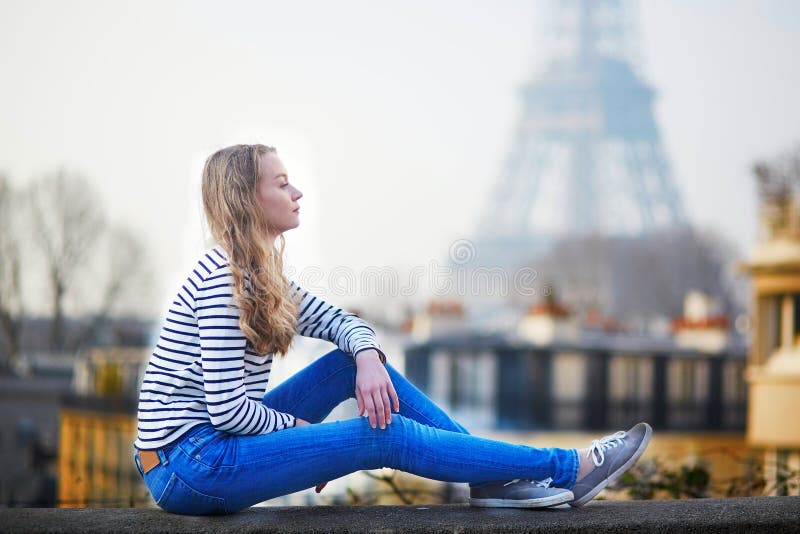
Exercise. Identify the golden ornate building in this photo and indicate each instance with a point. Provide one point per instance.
(773, 370)
(97, 429)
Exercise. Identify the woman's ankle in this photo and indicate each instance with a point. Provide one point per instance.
(585, 464)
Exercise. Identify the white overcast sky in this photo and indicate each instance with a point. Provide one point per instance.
(394, 118)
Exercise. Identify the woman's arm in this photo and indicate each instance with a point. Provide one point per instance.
(222, 350)
(375, 393)
(317, 318)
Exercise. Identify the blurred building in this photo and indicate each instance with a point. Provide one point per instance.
(596, 322)
(496, 382)
(773, 370)
(699, 328)
(547, 322)
(441, 317)
(29, 408)
(97, 430)
(44, 398)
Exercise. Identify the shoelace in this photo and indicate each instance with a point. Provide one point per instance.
(540, 483)
(596, 451)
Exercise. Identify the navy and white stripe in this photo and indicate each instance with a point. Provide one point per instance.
(204, 370)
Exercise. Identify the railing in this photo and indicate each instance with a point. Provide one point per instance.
(585, 387)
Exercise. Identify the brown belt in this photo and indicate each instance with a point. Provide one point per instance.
(149, 459)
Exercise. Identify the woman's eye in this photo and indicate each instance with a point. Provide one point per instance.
(284, 185)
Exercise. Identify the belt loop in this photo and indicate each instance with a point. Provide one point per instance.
(138, 463)
(163, 456)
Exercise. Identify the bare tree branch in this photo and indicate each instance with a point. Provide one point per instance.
(68, 220)
(643, 278)
(778, 179)
(11, 308)
(125, 255)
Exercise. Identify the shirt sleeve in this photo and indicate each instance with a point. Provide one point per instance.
(222, 351)
(317, 318)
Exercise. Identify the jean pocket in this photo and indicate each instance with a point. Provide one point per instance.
(179, 497)
(218, 450)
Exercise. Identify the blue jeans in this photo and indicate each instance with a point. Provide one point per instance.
(207, 471)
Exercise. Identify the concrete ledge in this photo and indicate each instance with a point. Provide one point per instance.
(760, 514)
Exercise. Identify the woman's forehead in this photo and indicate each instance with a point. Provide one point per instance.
(271, 166)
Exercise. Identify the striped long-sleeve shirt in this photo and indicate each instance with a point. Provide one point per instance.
(203, 369)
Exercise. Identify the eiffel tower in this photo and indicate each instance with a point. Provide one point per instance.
(587, 156)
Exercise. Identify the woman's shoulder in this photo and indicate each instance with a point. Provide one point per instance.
(212, 262)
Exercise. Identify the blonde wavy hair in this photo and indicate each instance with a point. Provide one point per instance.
(236, 221)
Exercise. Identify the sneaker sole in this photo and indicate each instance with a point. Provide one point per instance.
(542, 502)
(616, 474)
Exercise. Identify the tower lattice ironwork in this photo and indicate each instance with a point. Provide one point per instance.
(587, 156)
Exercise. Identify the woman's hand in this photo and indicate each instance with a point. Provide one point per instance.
(303, 422)
(375, 393)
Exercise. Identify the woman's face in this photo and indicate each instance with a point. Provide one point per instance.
(277, 197)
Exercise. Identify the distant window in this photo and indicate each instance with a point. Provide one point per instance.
(631, 378)
(687, 379)
(734, 388)
(772, 324)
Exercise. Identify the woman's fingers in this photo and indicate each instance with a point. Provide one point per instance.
(395, 398)
(369, 403)
(360, 401)
(375, 393)
(380, 411)
(387, 405)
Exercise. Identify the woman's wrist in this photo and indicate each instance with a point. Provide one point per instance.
(370, 353)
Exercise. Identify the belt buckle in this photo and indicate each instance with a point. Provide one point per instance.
(149, 460)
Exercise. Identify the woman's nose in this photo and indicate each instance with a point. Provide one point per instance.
(297, 194)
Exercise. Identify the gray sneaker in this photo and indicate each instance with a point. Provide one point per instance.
(518, 493)
(612, 455)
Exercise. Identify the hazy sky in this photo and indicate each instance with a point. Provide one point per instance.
(393, 118)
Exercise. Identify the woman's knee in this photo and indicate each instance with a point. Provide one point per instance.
(340, 367)
(400, 441)
(338, 358)
(335, 362)
(400, 427)
(404, 428)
